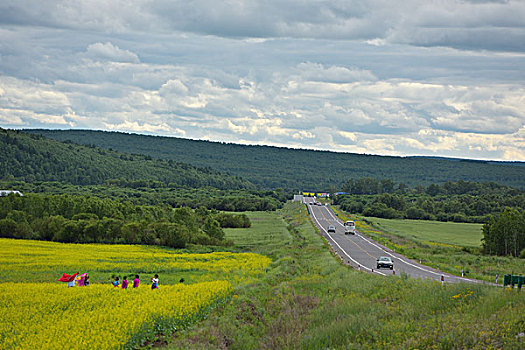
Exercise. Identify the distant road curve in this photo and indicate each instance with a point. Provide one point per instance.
(361, 252)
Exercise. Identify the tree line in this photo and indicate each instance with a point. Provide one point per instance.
(79, 219)
(31, 158)
(297, 169)
(460, 201)
(145, 192)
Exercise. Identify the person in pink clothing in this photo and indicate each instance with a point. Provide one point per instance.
(125, 283)
(136, 281)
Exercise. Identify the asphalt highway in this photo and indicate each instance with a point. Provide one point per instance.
(361, 252)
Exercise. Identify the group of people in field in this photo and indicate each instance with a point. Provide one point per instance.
(136, 281)
(77, 279)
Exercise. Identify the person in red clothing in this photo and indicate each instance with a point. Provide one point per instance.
(68, 278)
(125, 283)
(136, 281)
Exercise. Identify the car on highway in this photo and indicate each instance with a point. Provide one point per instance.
(349, 228)
(385, 261)
(331, 228)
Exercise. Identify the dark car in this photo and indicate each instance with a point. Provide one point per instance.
(385, 261)
(331, 228)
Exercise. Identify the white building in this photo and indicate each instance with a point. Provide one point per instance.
(8, 192)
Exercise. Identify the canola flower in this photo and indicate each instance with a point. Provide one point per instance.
(25, 255)
(468, 294)
(53, 316)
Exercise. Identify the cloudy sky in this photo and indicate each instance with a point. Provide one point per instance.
(389, 77)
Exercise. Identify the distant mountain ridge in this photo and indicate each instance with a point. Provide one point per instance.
(294, 169)
(31, 157)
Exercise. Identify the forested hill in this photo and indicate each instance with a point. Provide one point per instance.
(273, 167)
(31, 158)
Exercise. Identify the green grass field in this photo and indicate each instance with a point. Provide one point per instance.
(267, 233)
(309, 300)
(462, 234)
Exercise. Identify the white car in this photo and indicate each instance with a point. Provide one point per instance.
(331, 228)
(349, 230)
(385, 261)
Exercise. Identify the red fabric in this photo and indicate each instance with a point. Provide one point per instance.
(67, 278)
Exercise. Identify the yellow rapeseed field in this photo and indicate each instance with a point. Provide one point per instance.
(49, 315)
(35, 256)
(53, 316)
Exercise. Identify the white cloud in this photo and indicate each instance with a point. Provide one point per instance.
(23, 118)
(10, 118)
(303, 134)
(376, 42)
(324, 75)
(349, 135)
(174, 86)
(140, 127)
(108, 51)
(336, 74)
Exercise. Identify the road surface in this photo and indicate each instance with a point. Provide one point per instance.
(361, 252)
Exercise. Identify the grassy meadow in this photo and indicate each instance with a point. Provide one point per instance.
(266, 235)
(461, 234)
(309, 300)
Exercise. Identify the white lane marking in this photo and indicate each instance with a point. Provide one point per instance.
(398, 258)
(355, 261)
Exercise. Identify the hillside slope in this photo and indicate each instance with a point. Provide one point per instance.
(273, 167)
(35, 158)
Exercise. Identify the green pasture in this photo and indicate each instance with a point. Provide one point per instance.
(267, 233)
(462, 234)
(310, 300)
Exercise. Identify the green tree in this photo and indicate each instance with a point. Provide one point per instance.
(506, 234)
(213, 229)
(415, 213)
(7, 228)
(433, 189)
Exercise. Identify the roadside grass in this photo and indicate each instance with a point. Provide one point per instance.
(309, 300)
(445, 246)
